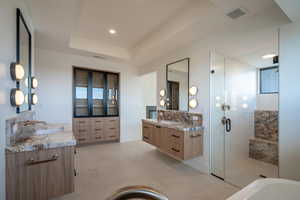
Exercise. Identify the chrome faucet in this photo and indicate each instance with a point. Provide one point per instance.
(140, 192)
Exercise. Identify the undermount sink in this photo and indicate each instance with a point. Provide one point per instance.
(169, 122)
(49, 129)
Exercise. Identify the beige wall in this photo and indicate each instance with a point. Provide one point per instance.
(7, 55)
(54, 71)
(289, 106)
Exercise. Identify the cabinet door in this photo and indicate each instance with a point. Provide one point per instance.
(156, 132)
(164, 139)
(60, 172)
(38, 175)
(193, 146)
(81, 85)
(98, 94)
(147, 133)
(112, 94)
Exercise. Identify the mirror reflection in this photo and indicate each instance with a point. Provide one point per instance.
(178, 85)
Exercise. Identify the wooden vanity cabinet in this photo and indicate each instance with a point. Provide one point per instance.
(178, 144)
(39, 175)
(100, 129)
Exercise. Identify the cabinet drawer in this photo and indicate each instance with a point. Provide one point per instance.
(176, 136)
(111, 133)
(98, 123)
(112, 122)
(176, 149)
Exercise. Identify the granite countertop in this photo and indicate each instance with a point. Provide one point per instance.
(175, 125)
(45, 141)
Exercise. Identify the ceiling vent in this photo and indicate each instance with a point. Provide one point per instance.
(237, 13)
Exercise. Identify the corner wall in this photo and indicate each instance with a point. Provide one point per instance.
(55, 74)
(289, 106)
(8, 55)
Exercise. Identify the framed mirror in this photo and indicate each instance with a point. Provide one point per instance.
(23, 57)
(177, 77)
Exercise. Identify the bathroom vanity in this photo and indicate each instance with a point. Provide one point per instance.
(182, 140)
(40, 166)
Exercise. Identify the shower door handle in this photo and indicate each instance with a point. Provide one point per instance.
(228, 125)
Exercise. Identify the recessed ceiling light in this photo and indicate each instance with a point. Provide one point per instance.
(112, 31)
(269, 56)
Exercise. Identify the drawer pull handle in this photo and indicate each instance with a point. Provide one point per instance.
(98, 121)
(112, 136)
(98, 137)
(145, 137)
(158, 126)
(146, 127)
(98, 129)
(82, 130)
(195, 136)
(112, 128)
(81, 139)
(175, 136)
(31, 161)
(81, 122)
(176, 150)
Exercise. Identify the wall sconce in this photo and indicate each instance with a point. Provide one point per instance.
(162, 92)
(193, 90)
(34, 83)
(16, 97)
(193, 103)
(162, 102)
(17, 71)
(34, 99)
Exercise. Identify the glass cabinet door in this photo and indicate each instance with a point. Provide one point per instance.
(81, 105)
(98, 105)
(112, 94)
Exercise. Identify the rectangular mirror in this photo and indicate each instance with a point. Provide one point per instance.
(24, 58)
(178, 85)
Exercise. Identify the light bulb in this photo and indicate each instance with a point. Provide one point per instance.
(193, 90)
(34, 99)
(17, 97)
(34, 83)
(193, 103)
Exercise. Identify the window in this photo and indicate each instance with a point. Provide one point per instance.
(269, 80)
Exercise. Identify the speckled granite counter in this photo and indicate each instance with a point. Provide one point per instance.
(46, 141)
(175, 125)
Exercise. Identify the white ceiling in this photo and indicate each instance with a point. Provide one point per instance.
(133, 19)
(146, 29)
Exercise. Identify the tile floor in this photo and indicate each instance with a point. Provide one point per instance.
(107, 167)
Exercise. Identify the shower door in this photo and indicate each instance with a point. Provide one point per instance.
(233, 104)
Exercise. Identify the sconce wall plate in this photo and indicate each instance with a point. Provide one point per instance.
(17, 71)
(17, 97)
